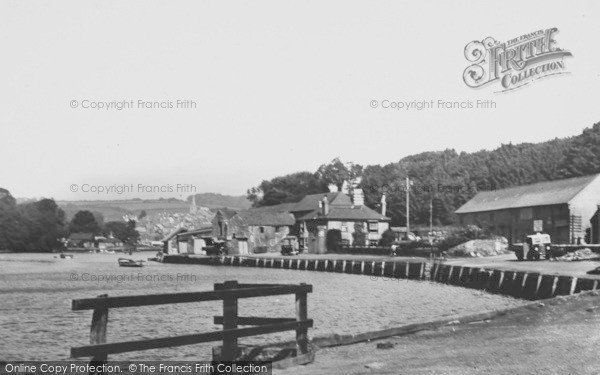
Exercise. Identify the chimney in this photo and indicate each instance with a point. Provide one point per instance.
(358, 197)
(325, 206)
(383, 205)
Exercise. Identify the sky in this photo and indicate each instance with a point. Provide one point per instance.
(278, 87)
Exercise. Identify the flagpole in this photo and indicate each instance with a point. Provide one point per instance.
(430, 214)
(407, 206)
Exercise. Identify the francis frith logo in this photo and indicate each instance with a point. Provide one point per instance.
(514, 63)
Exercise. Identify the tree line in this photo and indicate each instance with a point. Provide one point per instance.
(442, 181)
(40, 226)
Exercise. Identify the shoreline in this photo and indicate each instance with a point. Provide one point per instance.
(38, 289)
(525, 281)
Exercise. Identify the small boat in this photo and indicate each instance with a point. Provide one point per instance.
(595, 271)
(124, 262)
(66, 256)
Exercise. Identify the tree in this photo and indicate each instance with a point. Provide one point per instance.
(143, 214)
(44, 225)
(286, 189)
(9, 228)
(124, 231)
(387, 238)
(254, 195)
(84, 222)
(338, 173)
(446, 178)
(359, 236)
(99, 216)
(30, 227)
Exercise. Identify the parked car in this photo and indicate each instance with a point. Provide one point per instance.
(290, 246)
(215, 247)
(534, 246)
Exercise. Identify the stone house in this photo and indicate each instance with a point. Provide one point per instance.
(220, 223)
(316, 215)
(254, 231)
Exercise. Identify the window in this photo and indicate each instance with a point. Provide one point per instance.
(344, 226)
(373, 226)
(261, 229)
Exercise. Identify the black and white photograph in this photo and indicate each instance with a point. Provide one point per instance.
(299, 187)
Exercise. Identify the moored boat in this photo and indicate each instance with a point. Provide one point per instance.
(124, 262)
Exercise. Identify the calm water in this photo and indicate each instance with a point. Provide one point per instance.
(36, 321)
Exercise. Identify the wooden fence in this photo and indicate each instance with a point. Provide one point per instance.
(228, 292)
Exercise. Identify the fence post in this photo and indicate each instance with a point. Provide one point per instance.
(230, 321)
(98, 328)
(301, 314)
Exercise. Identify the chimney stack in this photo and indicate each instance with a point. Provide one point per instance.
(358, 197)
(325, 206)
(383, 205)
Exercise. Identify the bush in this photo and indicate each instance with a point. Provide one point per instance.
(387, 238)
(359, 236)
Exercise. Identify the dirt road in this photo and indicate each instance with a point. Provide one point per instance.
(559, 336)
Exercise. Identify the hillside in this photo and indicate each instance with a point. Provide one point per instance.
(443, 179)
(215, 200)
(115, 209)
(449, 179)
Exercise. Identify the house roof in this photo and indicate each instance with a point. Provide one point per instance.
(282, 207)
(539, 194)
(196, 232)
(109, 240)
(226, 213)
(266, 218)
(311, 202)
(346, 213)
(340, 208)
(82, 237)
(173, 233)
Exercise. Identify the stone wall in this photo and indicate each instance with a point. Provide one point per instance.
(518, 284)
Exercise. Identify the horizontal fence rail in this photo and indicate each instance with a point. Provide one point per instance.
(165, 342)
(164, 299)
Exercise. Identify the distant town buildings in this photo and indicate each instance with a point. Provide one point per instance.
(155, 227)
(90, 241)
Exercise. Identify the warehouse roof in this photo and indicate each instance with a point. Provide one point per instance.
(538, 194)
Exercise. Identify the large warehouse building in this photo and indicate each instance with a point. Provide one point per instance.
(561, 208)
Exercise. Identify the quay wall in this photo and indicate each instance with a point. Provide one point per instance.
(518, 284)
